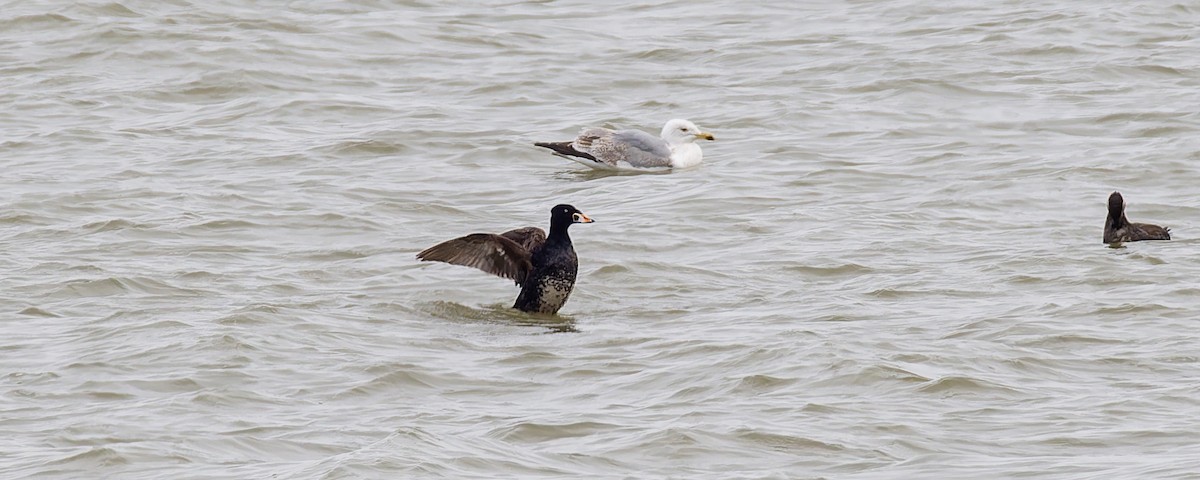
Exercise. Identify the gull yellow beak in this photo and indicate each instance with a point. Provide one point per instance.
(705, 135)
(581, 218)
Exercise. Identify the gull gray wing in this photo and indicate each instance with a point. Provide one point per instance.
(635, 147)
(643, 150)
(495, 254)
(588, 135)
(588, 139)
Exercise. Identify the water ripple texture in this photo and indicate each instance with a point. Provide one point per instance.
(889, 265)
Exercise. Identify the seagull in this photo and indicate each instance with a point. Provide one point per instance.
(605, 149)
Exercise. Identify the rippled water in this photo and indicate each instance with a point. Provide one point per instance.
(889, 266)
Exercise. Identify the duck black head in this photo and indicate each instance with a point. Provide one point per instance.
(1116, 206)
(562, 216)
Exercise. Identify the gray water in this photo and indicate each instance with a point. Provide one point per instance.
(889, 266)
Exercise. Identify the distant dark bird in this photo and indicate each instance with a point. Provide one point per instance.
(605, 149)
(543, 266)
(1117, 228)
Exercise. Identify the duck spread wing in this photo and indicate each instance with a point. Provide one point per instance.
(498, 255)
(529, 238)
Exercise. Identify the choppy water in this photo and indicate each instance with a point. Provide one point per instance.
(889, 266)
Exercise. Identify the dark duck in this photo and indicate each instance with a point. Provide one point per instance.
(1117, 228)
(543, 266)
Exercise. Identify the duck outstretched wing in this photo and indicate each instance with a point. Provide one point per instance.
(529, 238)
(503, 255)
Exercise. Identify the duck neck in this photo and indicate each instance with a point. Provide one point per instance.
(1117, 218)
(558, 233)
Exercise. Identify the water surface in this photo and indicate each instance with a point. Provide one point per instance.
(889, 266)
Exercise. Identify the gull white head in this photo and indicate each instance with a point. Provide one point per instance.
(681, 136)
(679, 132)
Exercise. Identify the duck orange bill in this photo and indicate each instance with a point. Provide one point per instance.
(581, 218)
